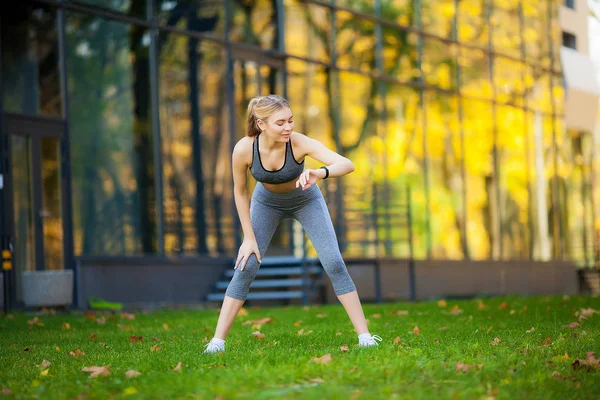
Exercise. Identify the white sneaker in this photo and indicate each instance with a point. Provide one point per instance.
(366, 340)
(214, 346)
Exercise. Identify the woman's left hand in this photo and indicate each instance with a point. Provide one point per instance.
(308, 178)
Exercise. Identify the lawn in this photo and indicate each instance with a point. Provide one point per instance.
(498, 348)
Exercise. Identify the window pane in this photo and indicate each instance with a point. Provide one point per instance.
(111, 139)
(197, 15)
(307, 30)
(473, 25)
(514, 190)
(475, 74)
(535, 33)
(405, 160)
(508, 80)
(479, 141)
(402, 12)
(355, 42)
(439, 63)
(400, 54)
(437, 17)
(254, 23)
(195, 141)
(365, 6)
(507, 32)
(444, 150)
(30, 72)
(135, 8)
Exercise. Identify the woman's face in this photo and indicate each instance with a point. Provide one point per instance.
(279, 125)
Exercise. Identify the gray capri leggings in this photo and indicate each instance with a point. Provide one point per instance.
(267, 210)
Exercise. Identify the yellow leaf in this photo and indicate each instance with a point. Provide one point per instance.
(129, 391)
(442, 303)
(242, 313)
(66, 325)
(44, 372)
(338, 334)
(416, 330)
(155, 348)
(166, 327)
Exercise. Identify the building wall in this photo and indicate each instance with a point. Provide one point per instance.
(575, 21)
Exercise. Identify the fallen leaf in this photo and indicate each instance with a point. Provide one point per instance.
(165, 326)
(547, 342)
(442, 303)
(6, 392)
(376, 315)
(557, 375)
(524, 308)
(455, 310)
(66, 325)
(397, 340)
(572, 325)
(258, 335)
(124, 327)
(44, 372)
(531, 330)
(503, 306)
(302, 332)
(26, 349)
(338, 334)
(135, 339)
(93, 336)
(132, 374)
(155, 348)
(317, 380)
(462, 367)
(44, 364)
(564, 357)
(129, 391)
(344, 348)
(101, 320)
(177, 367)
(242, 313)
(400, 312)
(322, 360)
(490, 328)
(416, 330)
(495, 341)
(33, 321)
(127, 316)
(443, 328)
(480, 305)
(298, 323)
(77, 353)
(95, 371)
(590, 363)
(321, 315)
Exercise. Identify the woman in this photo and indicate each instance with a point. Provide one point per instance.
(284, 190)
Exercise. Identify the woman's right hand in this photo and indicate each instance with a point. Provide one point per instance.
(246, 249)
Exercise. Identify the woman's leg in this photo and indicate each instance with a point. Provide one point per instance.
(316, 221)
(264, 222)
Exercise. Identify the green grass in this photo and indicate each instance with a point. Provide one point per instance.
(417, 366)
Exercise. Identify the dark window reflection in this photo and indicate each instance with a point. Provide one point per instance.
(195, 147)
(135, 8)
(30, 72)
(206, 16)
(254, 22)
(111, 137)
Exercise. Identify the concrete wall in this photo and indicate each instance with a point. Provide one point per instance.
(155, 282)
(439, 279)
(576, 22)
(147, 282)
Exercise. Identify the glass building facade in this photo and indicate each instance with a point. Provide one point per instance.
(461, 100)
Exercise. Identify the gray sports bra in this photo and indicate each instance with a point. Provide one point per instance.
(291, 168)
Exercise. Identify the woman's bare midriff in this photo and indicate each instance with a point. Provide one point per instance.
(281, 187)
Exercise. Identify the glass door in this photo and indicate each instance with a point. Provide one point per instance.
(37, 195)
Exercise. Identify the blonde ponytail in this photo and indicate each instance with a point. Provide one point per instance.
(262, 107)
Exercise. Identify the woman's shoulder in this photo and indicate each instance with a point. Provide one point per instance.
(243, 148)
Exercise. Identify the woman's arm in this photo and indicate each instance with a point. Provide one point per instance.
(337, 164)
(240, 188)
